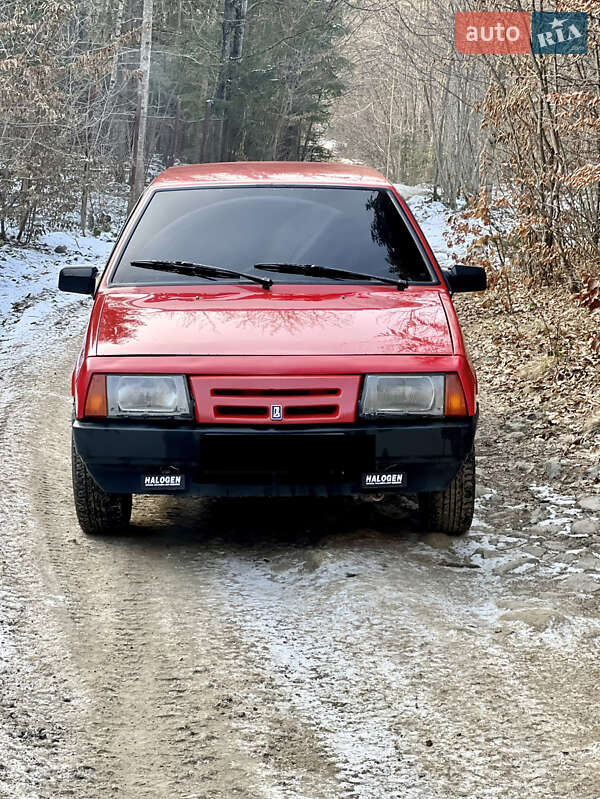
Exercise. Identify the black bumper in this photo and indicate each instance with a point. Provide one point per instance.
(280, 461)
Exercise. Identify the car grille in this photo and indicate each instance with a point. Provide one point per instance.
(275, 400)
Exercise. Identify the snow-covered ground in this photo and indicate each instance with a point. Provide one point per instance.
(29, 275)
(408, 192)
(431, 216)
(30, 301)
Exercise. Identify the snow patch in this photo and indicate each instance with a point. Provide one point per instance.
(409, 192)
(547, 494)
(33, 312)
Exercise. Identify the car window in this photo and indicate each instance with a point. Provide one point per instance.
(356, 229)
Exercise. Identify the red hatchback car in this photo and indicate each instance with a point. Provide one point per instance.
(273, 329)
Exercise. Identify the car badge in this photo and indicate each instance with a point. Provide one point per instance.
(276, 413)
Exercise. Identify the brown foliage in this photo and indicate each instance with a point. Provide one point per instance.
(589, 297)
(538, 354)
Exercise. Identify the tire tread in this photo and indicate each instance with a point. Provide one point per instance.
(451, 511)
(98, 512)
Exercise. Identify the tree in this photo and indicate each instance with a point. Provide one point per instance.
(234, 21)
(81, 107)
(138, 169)
(411, 112)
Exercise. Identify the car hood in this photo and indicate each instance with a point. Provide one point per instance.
(288, 320)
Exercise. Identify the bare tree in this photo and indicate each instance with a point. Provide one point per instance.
(411, 108)
(234, 21)
(138, 171)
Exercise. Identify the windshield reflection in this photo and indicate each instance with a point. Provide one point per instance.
(354, 229)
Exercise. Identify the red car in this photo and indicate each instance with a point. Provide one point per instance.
(273, 329)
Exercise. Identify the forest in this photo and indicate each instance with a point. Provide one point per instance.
(288, 521)
(93, 94)
(95, 98)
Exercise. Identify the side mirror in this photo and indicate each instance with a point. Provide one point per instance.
(465, 278)
(78, 279)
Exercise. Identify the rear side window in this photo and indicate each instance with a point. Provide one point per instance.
(356, 229)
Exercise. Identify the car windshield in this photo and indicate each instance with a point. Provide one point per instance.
(235, 228)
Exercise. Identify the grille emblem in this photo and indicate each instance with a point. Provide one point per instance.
(276, 413)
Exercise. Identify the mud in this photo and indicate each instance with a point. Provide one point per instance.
(290, 649)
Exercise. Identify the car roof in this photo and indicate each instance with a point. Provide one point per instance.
(290, 173)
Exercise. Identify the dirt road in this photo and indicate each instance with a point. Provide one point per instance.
(306, 649)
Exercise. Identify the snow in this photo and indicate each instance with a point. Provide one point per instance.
(30, 302)
(268, 612)
(408, 192)
(27, 272)
(546, 494)
(432, 217)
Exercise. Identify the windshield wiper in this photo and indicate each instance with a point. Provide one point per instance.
(200, 270)
(329, 271)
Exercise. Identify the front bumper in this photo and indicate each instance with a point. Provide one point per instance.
(222, 461)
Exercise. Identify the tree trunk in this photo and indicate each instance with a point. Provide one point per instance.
(234, 21)
(136, 181)
(174, 143)
(205, 149)
(84, 198)
(390, 124)
(116, 37)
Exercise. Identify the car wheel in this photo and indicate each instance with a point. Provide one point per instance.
(451, 511)
(98, 512)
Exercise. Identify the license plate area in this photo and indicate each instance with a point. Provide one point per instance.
(302, 457)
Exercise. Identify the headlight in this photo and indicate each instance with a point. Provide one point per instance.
(403, 395)
(148, 395)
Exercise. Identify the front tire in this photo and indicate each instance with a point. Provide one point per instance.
(451, 511)
(98, 512)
